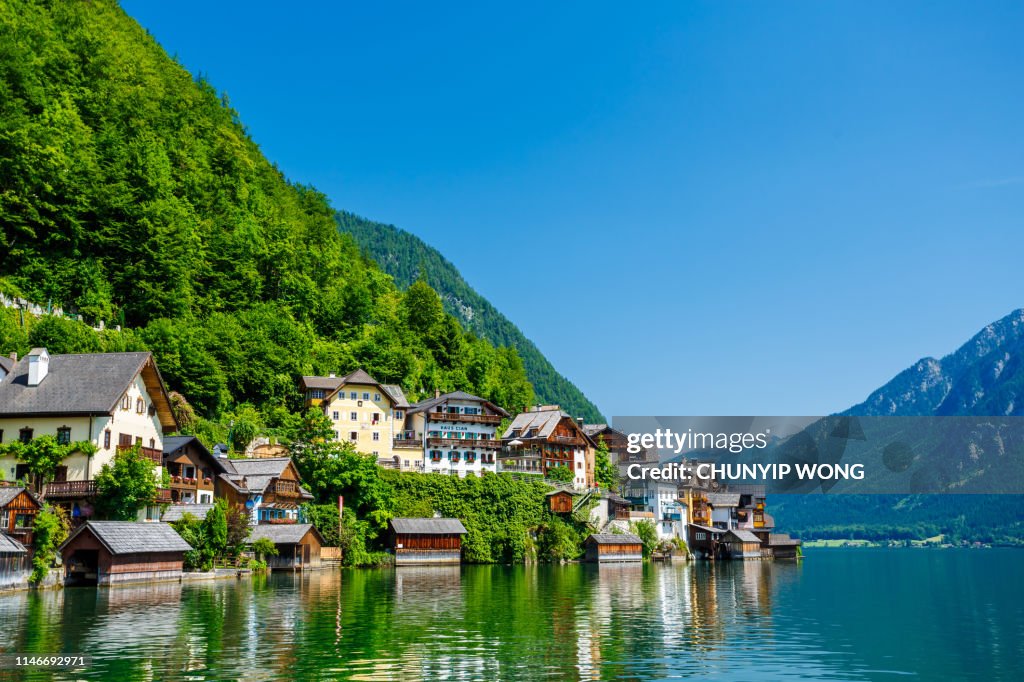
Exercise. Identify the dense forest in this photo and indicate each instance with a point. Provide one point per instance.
(407, 258)
(131, 193)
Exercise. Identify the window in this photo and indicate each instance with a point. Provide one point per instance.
(138, 441)
(353, 395)
(140, 406)
(316, 394)
(337, 435)
(106, 439)
(354, 416)
(702, 536)
(64, 435)
(376, 453)
(376, 435)
(376, 417)
(336, 416)
(353, 436)
(398, 415)
(376, 397)
(152, 443)
(25, 435)
(453, 410)
(1, 435)
(60, 474)
(21, 472)
(366, 395)
(435, 455)
(126, 402)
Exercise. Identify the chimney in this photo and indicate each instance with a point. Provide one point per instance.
(38, 366)
(14, 357)
(331, 375)
(579, 422)
(437, 393)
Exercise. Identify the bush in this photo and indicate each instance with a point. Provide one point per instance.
(50, 529)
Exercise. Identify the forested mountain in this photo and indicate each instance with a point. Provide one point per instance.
(984, 377)
(406, 257)
(131, 192)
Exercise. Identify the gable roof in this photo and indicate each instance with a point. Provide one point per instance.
(359, 377)
(173, 444)
(255, 474)
(425, 405)
(742, 536)
(84, 384)
(283, 533)
(9, 492)
(615, 539)
(544, 421)
(132, 537)
(9, 545)
(428, 526)
(6, 363)
(176, 512)
(325, 383)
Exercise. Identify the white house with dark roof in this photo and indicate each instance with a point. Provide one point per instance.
(269, 488)
(112, 400)
(452, 433)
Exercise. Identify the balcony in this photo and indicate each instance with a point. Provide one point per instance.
(491, 443)
(464, 418)
(69, 490)
(408, 443)
(163, 496)
(152, 454)
(284, 488)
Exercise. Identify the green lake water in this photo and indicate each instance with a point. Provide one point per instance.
(840, 614)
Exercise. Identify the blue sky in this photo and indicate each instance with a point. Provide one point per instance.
(691, 208)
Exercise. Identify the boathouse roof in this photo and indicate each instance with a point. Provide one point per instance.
(283, 533)
(743, 536)
(132, 537)
(409, 526)
(176, 512)
(9, 545)
(615, 539)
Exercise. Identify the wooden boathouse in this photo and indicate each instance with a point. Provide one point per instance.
(298, 545)
(418, 542)
(612, 547)
(114, 552)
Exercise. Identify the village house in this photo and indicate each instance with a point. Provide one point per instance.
(298, 546)
(544, 438)
(362, 410)
(613, 547)
(618, 445)
(112, 400)
(454, 433)
(115, 552)
(192, 469)
(269, 488)
(741, 544)
(659, 498)
(18, 509)
(418, 542)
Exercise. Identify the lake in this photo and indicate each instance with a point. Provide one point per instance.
(845, 614)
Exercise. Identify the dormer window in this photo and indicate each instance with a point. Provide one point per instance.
(140, 406)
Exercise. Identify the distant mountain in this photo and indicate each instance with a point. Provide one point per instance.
(405, 256)
(984, 377)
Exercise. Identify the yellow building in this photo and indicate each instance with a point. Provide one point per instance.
(363, 411)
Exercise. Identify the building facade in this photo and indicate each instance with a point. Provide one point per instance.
(269, 488)
(544, 438)
(362, 410)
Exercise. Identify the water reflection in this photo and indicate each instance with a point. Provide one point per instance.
(738, 620)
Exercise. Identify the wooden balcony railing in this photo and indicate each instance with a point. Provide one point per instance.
(491, 443)
(70, 490)
(152, 454)
(285, 488)
(464, 418)
(408, 443)
(163, 496)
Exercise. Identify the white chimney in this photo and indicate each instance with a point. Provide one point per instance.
(38, 366)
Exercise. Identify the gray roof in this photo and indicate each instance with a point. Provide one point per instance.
(326, 383)
(615, 539)
(105, 375)
(594, 429)
(9, 545)
(255, 474)
(743, 536)
(175, 512)
(724, 499)
(707, 529)
(282, 533)
(174, 443)
(397, 395)
(428, 526)
(6, 363)
(542, 422)
(782, 540)
(133, 537)
(9, 492)
(425, 405)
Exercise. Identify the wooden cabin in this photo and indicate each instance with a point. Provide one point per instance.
(15, 564)
(18, 509)
(611, 547)
(193, 470)
(561, 501)
(782, 546)
(115, 552)
(298, 545)
(741, 544)
(416, 542)
(703, 541)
